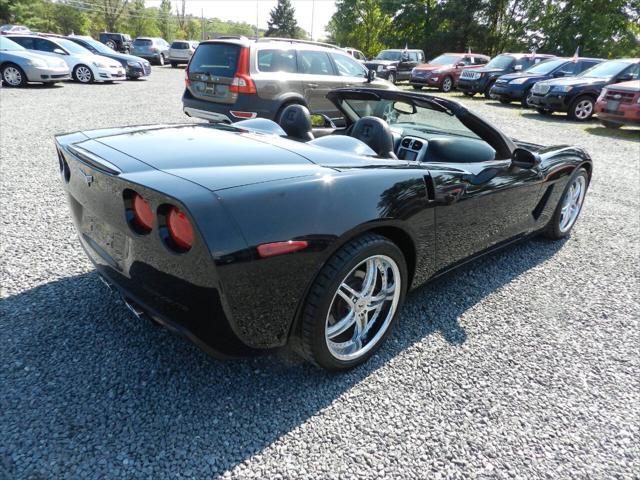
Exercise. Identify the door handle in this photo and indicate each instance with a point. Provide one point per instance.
(312, 85)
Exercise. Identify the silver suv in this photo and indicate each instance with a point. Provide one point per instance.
(231, 79)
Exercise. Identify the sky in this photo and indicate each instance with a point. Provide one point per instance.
(245, 11)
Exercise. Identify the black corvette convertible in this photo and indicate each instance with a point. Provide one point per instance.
(256, 235)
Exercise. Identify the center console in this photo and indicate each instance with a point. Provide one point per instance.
(412, 148)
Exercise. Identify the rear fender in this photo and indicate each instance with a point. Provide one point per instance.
(264, 294)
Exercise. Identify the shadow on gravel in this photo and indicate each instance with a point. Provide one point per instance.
(623, 133)
(89, 390)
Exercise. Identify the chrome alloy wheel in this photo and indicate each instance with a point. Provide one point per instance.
(12, 76)
(447, 84)
(572, 203)
(363, 307)
(83, 74)
(583, 109)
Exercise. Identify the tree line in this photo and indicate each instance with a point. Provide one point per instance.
(600, 28)
(89, 17)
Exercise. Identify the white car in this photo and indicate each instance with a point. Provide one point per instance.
(85, 66)
(181, 51)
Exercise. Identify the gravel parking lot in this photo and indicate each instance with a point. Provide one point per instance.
(525, 364)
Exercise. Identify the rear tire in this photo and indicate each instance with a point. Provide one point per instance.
(347, 318)
(111, 44)
(161, 60)
(525, 99)
(569, 207)
(83, 74)
(174, 65)
(13, 75)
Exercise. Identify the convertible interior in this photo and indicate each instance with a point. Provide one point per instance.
(401, 127)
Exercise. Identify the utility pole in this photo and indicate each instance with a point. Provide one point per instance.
(257, 15)
(313, 19)
(202, 22)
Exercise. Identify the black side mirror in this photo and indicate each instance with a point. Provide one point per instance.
(523, 158)
(558, 74)
(624, 77)
(371, 76)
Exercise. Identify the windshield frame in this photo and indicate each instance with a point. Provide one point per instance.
(457, 58)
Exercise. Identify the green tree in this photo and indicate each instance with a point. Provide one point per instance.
(142, 21)
(361, 24)
(283, 22)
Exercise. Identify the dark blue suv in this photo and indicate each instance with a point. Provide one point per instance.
(517, 86)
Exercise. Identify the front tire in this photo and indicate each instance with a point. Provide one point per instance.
(392, 77)
(82, 74)
(447, 85)
(161, 60)
(582, 109)
(353, 303)
(487, 91)
(569, 206)
(525, 99)
(13, 76)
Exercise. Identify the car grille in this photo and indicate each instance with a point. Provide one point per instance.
(422, 73)
(469, 75)
(622, 97)
(541, 88)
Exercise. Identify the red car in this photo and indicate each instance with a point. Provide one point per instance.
(443, 72)
(619, 104)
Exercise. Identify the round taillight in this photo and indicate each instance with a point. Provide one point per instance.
(180, 229)
(142, 213)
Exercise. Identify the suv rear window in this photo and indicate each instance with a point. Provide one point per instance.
(142, 42)
(180, 45)
(219, 59)
(277, 61)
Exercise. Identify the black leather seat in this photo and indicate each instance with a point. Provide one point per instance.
(295, 120)
(376, 133)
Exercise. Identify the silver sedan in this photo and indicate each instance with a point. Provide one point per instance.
(19, 66)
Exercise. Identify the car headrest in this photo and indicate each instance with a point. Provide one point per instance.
(296, 121)
(376, 133)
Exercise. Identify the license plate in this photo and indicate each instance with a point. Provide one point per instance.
(111, 241)
(613, 105)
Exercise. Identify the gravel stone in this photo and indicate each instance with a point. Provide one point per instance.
(524, 364)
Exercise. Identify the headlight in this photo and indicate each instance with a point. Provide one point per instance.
(99, 65)
(380, 68)
(518, 81)
(38, 63)
(562, 88)
(133, 63)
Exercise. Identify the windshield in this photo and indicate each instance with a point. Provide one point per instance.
(141, 42)
(605, 70)
(9, 45)
(446, 59)
(389, 55)
(427, 117)
(71, 47)
(546, 67)
(100, 47)
(501, 62)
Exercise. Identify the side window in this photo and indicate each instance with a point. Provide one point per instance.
(571, 68)
(413, 56)
(480, 60)
(347, 67)
(277, 61)
(522, 63)
(314, 63)
(467, 61)
(45, 45)
(25, 42)
(633, 70)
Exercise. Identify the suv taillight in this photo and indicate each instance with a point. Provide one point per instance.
(242, 82)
